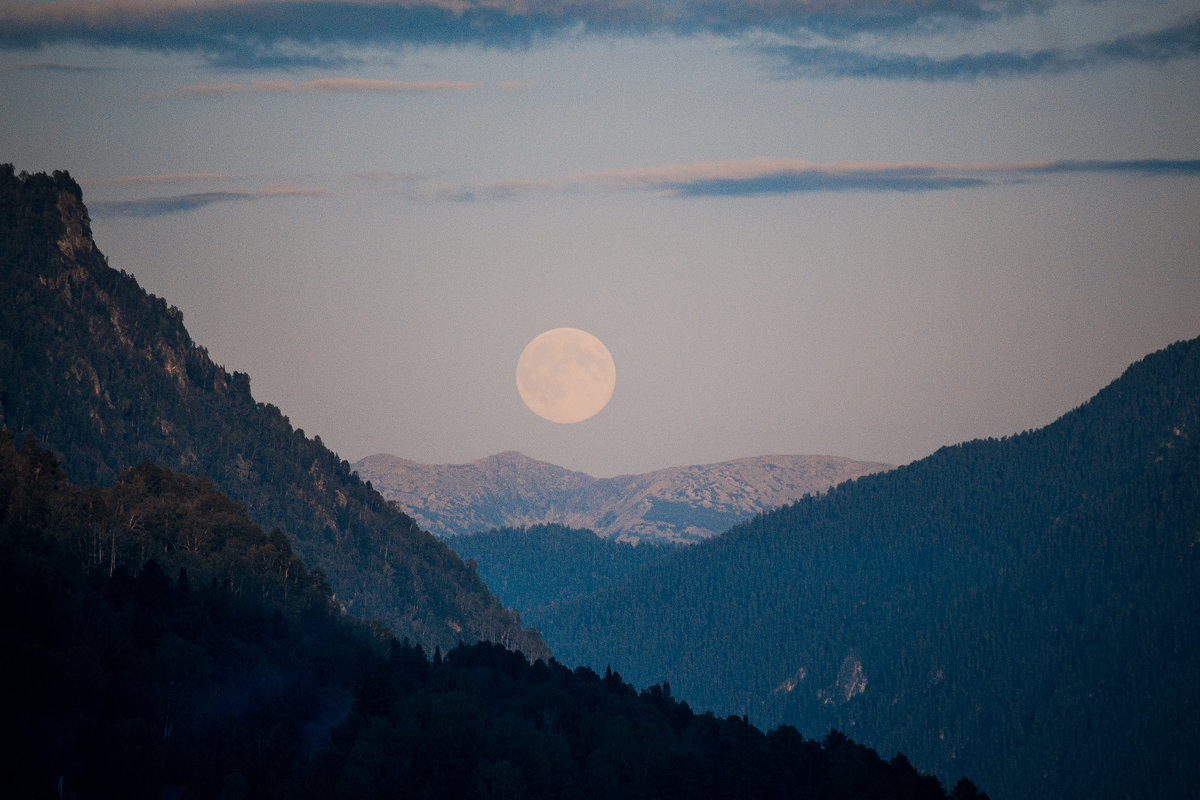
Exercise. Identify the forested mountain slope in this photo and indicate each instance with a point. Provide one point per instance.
(1022, 610)
(676, 504)
(107, 376)
(158, 644)
(527, 568)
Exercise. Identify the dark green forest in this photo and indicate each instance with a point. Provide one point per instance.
(107, 377)
(158, 643)
(1020, 610)
(534, 566)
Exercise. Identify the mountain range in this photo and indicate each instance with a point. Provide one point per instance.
(1022, 610)
(248, 618)
(107, 377)
(159, 644)
(677, 504)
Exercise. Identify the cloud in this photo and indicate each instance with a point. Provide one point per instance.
(497, 190)
(47, 66)
(785, 176)
(1142, 166)
(745, 178)
(182, 203)
(767, 176)
(255, 33)
(1181, 40)
(177, 177)
(327, 85)
(265, 33)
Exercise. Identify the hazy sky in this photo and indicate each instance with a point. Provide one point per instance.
(851, 227)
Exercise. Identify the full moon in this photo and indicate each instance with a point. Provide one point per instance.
(566, 375)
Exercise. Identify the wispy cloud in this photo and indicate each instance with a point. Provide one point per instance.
(47, 66)
(176, 177)
(731, 179)
(1142, 166)
(328, 85)
(181, 203)
(767, 176)
(258, 33)
(785, 176)
(1181, 40)
(497, 190)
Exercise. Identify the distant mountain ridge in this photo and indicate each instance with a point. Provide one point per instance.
(676, 504)
(107, 376)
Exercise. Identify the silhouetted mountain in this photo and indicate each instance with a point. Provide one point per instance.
(107, 376)
(1022, 610)
(677, 504)
(527, 568)
(158, 644)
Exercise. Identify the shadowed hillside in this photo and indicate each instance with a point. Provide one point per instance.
(158, 644)
(532, 567)
(107, 376)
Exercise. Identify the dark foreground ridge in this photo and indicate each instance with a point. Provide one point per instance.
(107, 377)
(159, 644)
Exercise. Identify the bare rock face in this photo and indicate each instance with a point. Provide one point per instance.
(677, 504)
(77, 231)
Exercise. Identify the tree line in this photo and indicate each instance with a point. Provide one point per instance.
(158, 643)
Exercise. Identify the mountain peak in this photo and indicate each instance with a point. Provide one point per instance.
(507, 457)
(677, 504)
(44, 210)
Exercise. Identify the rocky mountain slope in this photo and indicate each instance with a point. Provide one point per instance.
(677, 504)
(107, 376)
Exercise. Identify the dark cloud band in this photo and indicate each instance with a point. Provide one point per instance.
(806, 183)
(274, 32)
(182, 203)
(787, 176)
(1177, 41)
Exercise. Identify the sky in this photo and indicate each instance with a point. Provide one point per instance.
(845, 227)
